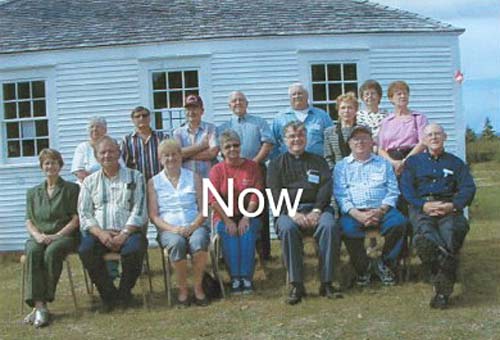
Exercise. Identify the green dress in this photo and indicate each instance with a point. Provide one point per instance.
(49, 215)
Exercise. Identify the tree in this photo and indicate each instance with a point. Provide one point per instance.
(470, 135)
(488, 132)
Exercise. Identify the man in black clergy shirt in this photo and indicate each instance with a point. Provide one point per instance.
(293, 170)
(438, 186)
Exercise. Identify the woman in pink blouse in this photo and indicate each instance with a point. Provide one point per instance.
(401, 131)
(238, 232)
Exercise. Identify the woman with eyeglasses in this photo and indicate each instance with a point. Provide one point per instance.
(238, 232)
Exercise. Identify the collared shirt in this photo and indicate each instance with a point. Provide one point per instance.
(446, 177)
(143, 155)
(186, 137)
(316, 122)
(333, 151)
(364, 184)
(371, 119)
(401, 133)
(253, 131)
(307, 171)
(112, 203)
(51, 214)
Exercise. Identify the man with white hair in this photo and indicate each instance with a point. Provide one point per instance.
(256, 143)
(315, 120)
(438, 186)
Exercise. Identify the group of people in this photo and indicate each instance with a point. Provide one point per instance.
(346, 179)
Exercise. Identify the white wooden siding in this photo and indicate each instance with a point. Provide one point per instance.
(429, 73)
(263, 76)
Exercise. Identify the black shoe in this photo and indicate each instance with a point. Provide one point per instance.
(201, 302)
(383, 272)
(364, 280)
(107, 307)
(327, 290)
(439, 301)
(296, 294)
(183, 303)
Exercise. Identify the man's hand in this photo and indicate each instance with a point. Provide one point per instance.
(398, 167)
(106, 238)
(243, 225)
(300, 219)
(205, 141)
(313, 219)
(433, 208)
(117, 241)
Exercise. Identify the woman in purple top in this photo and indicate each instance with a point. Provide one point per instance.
(401, 132)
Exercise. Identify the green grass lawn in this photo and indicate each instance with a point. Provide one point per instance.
(400, 312)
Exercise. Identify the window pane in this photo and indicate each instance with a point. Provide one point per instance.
(13, 149)
(41, 144)
(352, 87)
(335, 90)
(188, 92)
(321, 106)
(319, 92)
(28, 148)
(174, 80)
(38, 89)
(334, 72)
(332, 110)
(191, 78)
(318, 72)
(9, 91)
(175, 99)
(24, 109)
(39, 109)
(42, 128)
(159, 81)
(160, 100)
(158, 120)
(23, 90)
(350, 72)
(12, 130)
(10, 110)
(28, 129)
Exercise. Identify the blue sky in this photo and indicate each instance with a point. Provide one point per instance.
(479, 48)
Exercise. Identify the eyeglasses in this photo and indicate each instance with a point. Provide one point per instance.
(361, 139)
(294, 136)
(229, 146)
(141, 115)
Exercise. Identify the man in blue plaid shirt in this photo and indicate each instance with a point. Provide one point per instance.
(366, 190)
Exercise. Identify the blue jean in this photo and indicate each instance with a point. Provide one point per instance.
(393, 223)
(132, 253)
(239, 250)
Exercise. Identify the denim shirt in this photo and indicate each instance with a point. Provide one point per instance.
(316, 122)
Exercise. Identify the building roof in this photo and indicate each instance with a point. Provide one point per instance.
(36, 25)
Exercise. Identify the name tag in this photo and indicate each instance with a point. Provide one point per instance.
(313, 176)
(447, 172)
(314, 126)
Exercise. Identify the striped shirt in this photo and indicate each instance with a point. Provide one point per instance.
(333, 151)
(143, 155)
(112, 203)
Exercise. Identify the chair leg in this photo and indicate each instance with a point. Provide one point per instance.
(71, 285)
(214, 257)
(145, 300)
(89, 286)
(168, 276)
(149, 273)
(23, 283)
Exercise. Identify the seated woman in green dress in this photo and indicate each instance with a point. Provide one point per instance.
(52, 223)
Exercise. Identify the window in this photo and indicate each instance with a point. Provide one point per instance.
(170, 88)
(331, 80)
(25, 118)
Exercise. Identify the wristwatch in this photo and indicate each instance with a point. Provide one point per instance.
(125, 231)
(317, 210)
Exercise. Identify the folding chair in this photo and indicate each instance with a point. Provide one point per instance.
(22, 260)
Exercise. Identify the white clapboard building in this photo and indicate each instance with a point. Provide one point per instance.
(63, 61)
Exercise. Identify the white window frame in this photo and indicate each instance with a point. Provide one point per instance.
(307, 58)
(18, 76)
(200, 63)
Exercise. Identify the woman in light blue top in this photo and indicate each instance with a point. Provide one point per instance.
(174, 197)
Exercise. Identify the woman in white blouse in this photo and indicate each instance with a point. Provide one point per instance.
(84, 162)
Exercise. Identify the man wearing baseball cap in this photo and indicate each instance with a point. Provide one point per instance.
(366, 190)
(198, 139)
